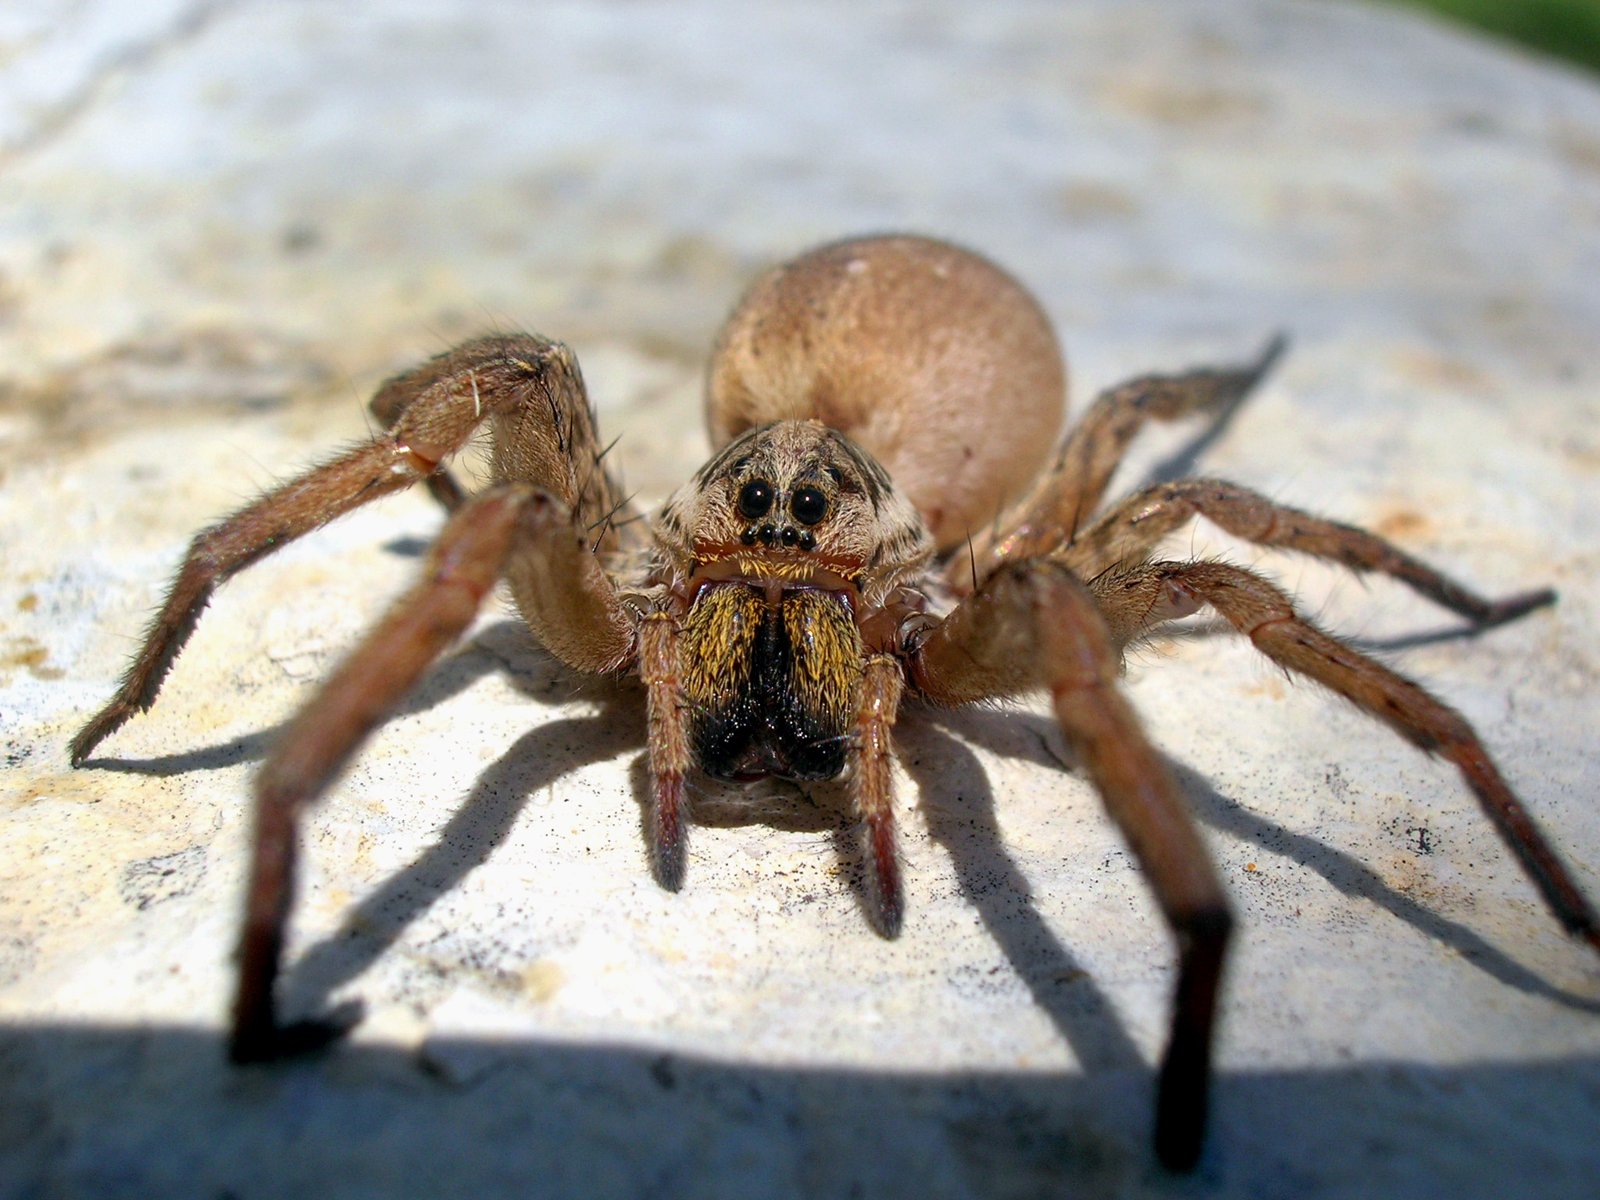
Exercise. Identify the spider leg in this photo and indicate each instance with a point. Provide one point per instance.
(391, 400)
(1033, 623)
(529, 386)
(471, 554)
(872, 789)
(666, 713)
(1071, 490)
(1266, 615)
(215, 554)
(1130, 531)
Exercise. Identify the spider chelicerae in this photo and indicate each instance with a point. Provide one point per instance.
(875, 404)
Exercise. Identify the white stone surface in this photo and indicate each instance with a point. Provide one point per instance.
(222, 223)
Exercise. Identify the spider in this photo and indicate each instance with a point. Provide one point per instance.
(874, 403)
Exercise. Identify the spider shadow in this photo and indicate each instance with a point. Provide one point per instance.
(1205, 629)
(1344, 872)
(958, 806)
(934, 751)
(489, 651)
(1351, 877)
(541, 757)
(480, 824)
(959, 809)
(785, 805)
(246, 747)
(1184, 461)
(939, 763)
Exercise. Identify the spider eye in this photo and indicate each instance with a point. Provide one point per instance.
(755, 498)
(808, 505)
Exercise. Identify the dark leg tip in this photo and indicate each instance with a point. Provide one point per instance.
(250, 1046)
(1270, 354)
(886, 914)
(274, 1043)
(1183, 1089)
(667, 828)
(1180, 1113)
(1178, 1145)
(83, 745)
(1512, 607)
(667, 859)
(886, 902)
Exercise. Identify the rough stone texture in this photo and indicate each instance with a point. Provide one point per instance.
(222, 223)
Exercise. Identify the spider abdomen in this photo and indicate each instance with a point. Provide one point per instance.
(931, 358)
(773, 680)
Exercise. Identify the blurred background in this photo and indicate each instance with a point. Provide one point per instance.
(1567, 29)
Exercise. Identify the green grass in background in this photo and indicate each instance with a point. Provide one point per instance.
(1568, 29)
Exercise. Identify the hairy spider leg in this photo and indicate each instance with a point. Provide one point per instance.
(1266, 615)
(468, 558)
(249, 535)
(396, 395)
(872, 789)
(1033, 623)
(667, 716)
(1071, 489)
(1129, 532)
(544, 436)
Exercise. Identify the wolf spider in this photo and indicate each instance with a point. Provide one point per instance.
(874, 402)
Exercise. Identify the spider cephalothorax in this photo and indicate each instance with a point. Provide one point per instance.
(794, 500)
(868, 528)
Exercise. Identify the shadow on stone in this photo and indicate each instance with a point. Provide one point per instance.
(959, 807)
(999, 733)
(494, 648)
(484, 820)
(123, 1112)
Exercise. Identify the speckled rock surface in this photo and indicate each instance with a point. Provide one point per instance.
(223, 223)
